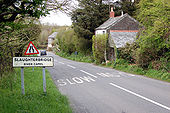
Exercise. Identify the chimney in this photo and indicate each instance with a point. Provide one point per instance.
(112, 13)
(121, 13)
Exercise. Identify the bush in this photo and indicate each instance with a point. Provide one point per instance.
(14, 37)
(154, 36)
(83, 45)
(121, 62)
(99, 47)
(128, 52)
(68, 42)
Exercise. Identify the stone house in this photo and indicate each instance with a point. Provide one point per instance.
(51, 39)
(121, 30)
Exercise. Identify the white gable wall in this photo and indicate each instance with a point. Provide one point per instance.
(50, 40)
(100, 32)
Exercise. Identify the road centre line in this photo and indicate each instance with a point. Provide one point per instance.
(140, 96)
(71, 66)
(88, 73)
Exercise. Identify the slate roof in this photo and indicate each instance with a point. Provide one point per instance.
(111, 22)
(53, 35)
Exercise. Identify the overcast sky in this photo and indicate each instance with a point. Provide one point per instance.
(58, 18)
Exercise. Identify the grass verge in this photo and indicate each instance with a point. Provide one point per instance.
(122, 65)
(80, 57)
(34, 101)
(151, 73)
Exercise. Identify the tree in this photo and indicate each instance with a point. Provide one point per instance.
(12, 9)
(89, 15)
(154, 39)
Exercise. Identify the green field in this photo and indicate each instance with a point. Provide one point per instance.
(34, 100)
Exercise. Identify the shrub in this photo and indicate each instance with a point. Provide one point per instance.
(99, 47)
(83, 45)
(121, 62)
(154, 38)
(128, 52)
(14, 37)
(68, 42)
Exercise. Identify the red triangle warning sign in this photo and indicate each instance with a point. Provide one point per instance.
(31, 49)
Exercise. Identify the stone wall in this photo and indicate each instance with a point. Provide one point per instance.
(121, 38)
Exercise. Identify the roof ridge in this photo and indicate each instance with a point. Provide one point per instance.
(114, 20)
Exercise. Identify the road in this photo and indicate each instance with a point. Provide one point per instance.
(95, 89)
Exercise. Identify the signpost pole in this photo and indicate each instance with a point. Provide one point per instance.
(44, 80)
(22, 80)
(33, 66)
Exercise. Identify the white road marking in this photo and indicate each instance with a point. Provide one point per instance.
(107, 75)
(88, 73)
(75, 80)
(113, 75)
(71, 66)
(61, 62)
(131, 75)
(122, 73)
(140, 96)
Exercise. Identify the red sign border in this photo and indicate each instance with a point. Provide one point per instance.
(28, 47)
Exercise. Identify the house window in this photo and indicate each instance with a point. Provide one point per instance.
(103, 32)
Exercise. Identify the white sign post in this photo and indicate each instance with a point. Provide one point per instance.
(44, 80)
(44, 61)
(22, 80)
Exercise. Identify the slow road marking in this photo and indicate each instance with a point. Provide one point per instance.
(140, 96)
(75, 80)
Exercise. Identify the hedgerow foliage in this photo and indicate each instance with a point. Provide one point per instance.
(154, 41)
(68, 42)
(99, 47)
(128, 52)
(14, 36)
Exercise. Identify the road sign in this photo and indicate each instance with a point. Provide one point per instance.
(31, 49)
(44, 61)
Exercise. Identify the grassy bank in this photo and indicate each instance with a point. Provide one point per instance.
(121, 65)
(79, 57)
(34, 101)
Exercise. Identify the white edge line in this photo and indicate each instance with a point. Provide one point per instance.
(71, 66)
(122, 73)
(61, 62)
(88, 73)
(147, 99)
(131, 75)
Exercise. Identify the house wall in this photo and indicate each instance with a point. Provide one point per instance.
(50, 42)
(100, 32)
(121, 38)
